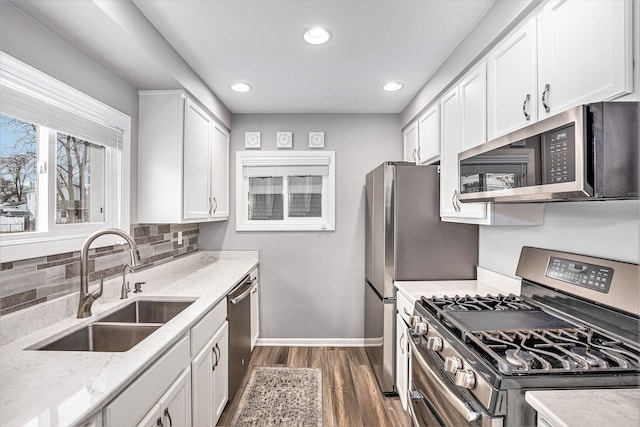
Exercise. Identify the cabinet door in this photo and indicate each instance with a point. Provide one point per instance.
(429, 136)
(450, 206)
(197, 125)
(210, 379)
(255, 313)
(410, 137)
(473, 108)
(220, 173)
(153, 418)
(512, 82)
(402, 357)
(221, 371)
(584, 52)
(175, 405)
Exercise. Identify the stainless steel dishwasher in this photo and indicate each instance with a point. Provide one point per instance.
(239, 315)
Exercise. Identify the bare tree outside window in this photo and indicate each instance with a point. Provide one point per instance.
(18, 157)
(79, 180)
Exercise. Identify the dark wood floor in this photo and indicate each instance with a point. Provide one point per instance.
(350, 394)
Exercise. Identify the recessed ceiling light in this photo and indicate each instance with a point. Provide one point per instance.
(316, 35)
(392, 86)
(241, 87)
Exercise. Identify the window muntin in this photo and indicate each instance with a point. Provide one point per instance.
(285, 191)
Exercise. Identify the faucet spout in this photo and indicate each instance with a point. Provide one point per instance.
(87, 298)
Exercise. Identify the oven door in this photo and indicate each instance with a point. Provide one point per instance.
(434, 401)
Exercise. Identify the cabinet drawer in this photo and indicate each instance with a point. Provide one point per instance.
(205, 328)
(404, 306)
(136, 400)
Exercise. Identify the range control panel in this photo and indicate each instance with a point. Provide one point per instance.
(582, 274)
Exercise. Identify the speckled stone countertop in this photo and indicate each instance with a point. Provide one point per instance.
(68, 388)
(488, 283)
(578, 408)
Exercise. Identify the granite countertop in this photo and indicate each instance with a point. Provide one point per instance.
(577, 408)
(68, 388)
(488, 283)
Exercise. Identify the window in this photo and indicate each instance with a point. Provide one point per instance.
(285, 191)
(64, 168)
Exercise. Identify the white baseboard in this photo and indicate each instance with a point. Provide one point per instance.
(311, 342)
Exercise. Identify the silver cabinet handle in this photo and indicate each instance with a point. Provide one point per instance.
(210, 205)
(545, 104)
(453, 200)
(525, 107)
(418, 150)
(216, 205)
(215, 354)
(168, 415)
(415, 150)
(219, 354)
(460, 405)
(159, 422)
(405, 311)
(400, 343)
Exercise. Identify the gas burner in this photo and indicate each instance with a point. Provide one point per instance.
(460, 307)
(590, 356)
(519, 358)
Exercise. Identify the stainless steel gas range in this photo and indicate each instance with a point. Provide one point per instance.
(574, 326)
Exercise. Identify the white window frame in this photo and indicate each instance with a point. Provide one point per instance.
(69, 237)
(286, 159)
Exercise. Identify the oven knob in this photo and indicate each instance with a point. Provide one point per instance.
(465, 378)
(434, 343)
(413, 320)
(452, 364)
(421, 328)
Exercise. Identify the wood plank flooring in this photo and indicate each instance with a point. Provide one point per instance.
(350, 394)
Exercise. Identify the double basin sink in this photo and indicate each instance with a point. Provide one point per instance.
(121, 330)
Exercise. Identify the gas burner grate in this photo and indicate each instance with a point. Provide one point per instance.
(555, 350)
(438, 305)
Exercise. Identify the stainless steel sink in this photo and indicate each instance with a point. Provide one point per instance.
(102, 337)
(120, 330)
(147, 311)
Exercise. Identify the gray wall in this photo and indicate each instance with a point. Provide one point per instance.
(312, 282)
(604, 229)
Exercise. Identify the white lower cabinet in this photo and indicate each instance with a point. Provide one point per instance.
(402, 360)
(159, 384)
(210, 376)
(174, 407)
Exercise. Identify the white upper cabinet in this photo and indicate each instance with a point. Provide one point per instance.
(473, 108)
(584, 53)
(429, 136)
(183, 161)
(512, 82)
(410, 138)
(573, 52)
(450, 206)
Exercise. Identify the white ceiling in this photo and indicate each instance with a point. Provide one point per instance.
(260, 42)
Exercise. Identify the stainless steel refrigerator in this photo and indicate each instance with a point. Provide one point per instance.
(405, 240)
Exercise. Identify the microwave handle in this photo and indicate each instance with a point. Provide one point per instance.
(461, 406)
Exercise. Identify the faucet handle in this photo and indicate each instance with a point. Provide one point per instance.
(138, 287)
(97, 294)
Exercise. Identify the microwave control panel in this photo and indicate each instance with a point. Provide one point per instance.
(590, 276)
(559, 155)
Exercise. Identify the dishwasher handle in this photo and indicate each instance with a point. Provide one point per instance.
(236, 299)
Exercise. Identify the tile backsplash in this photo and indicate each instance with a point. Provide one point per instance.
(32, 281)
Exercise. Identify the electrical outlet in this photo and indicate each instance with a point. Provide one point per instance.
(179, 237)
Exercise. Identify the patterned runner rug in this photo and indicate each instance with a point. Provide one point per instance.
(285, 397)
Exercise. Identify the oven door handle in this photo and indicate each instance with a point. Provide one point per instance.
(419, 396)
(461, 406)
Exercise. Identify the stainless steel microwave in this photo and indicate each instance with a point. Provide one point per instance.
(587, 153)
